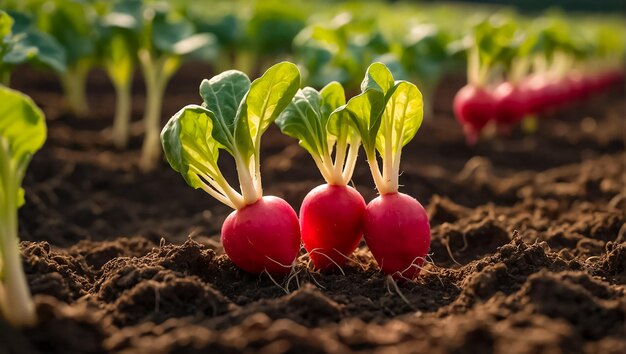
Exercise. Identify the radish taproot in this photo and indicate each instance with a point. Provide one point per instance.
(262, 234)
(387, 115)
(331, 215)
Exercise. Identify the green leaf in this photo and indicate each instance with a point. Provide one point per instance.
(401, 118)
(187, 143)
(176, 36)
(384, 110)
(196, 43)
(269, 95)
(6, 23)
(363, 112)
(120, 57)
(223, 95)
(306, 117)
(125, 14)
(379, 78)
(333, 96)
(22, 124)
(273, 27)
(73, 25)
(37, 47)
(226, 28)
(21, 43)
(303, 120)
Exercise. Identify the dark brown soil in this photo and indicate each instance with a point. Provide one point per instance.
(528, 244)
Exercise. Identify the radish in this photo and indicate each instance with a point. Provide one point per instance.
(474, 107)
(331, 219)
(405, 219)
(331, 215)
(262, 234)
(511, 103)
(387, 115)
(250, 243)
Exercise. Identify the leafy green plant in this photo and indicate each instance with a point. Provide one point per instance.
(73, 25)
(270, 31)
(21, 42)
(331, 215)
(338, 50)
(117, 48)
(22, 133)
(306, 119)
(167, 39)
(387, 115)
(263, 233)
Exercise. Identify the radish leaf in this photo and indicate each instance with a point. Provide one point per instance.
(22, 133)
(223, 95)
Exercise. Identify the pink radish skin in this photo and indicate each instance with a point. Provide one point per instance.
(397, 233)
(331, 220)
(262, 236)
(511, 103)
(473, 107)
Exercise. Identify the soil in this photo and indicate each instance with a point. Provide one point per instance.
(528, 247)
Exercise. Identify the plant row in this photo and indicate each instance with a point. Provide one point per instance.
(264, 233)
(328, 41)
(517, 73)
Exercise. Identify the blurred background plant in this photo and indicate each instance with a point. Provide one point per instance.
(420, 41)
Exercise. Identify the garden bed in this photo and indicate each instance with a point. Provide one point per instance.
(528, 243)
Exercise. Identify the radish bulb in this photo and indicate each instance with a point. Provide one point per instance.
(511, 103)
(262, 234)
(331, 216)
(474, 107)
(275, 239)
(405, 220)
(387, 115)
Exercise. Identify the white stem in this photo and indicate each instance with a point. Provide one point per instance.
(396, 170)
(156, 82)
(340, 155)
(473, 67)
(378, 178)
(326, 174)
(390, 180)
(348, 169)
(335, 174)
(74, 82)
(257, 166)
(16, 303)
(217, 195)
(235, 200)
(246, 182)
(123, 110)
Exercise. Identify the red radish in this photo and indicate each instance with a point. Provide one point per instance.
(263, 233)
(262, 236)
(511, 103)
(576, 88)
(396, 227)
(398, 234)
(331, 220)
(474, 107)
(331, 216)
(543, 94)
